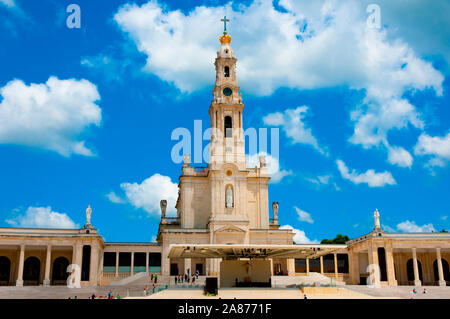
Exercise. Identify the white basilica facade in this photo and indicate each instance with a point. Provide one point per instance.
(223, 228)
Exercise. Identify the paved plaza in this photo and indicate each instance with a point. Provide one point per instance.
(348, 292)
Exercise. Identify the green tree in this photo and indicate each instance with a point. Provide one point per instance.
(340, 239)
(444, 231)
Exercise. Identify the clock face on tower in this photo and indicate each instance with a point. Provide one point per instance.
(227, 91)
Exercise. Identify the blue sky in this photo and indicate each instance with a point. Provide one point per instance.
(86, 115)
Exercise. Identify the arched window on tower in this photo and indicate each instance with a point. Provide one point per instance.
(228, 126)
(226, 72)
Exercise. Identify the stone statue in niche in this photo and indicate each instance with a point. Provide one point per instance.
(229, 198)
(163, 205)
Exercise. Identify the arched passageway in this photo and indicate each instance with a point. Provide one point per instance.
(445, 270)
(31, 271)
(5, 270)
(59, 271)
(410, 270)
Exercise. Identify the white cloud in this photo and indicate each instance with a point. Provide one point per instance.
(42, 217)
(399, 156)
(415, 27)
(411, 227)
(313, 44)
(150, 192)
(273, 166)
(388, 228)
(291, 121)
(8, 3)
(370, 177)
(300, 236)
(113, 197)
(303, 216)
(438, 148)
(323, 180)
(51, 115)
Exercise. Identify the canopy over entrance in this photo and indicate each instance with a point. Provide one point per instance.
(250, 251)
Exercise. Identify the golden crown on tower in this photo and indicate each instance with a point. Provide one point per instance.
(225, 38)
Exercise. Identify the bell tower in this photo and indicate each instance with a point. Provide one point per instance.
(227, 135)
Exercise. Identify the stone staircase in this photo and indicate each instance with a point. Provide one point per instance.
(313, 279)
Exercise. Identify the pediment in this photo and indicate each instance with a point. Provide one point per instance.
(230, 229)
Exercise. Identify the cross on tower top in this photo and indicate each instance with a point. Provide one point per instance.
(225, 20)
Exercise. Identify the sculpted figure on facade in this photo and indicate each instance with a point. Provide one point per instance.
(163, 205)
(376, 215)
(88, 215)
(262, 161)
(275, 211)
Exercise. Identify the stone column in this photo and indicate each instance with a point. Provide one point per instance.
(77, 256)
(321, 265)
(271, 266)
(417, 281)
(373, 264)
(291, 266)
(440, 269)
(19, 281)
(48, 261)
(146, 261)
(187, 265)
(132, 264)
(101, 254)
(356, 270)
(165, 261)
(117, 264)
(93, 267)
(307, 266)
(351, 267)
(390, 268)
(335, 266)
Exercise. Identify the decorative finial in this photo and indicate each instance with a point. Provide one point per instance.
(88, 215)
(225, 38)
